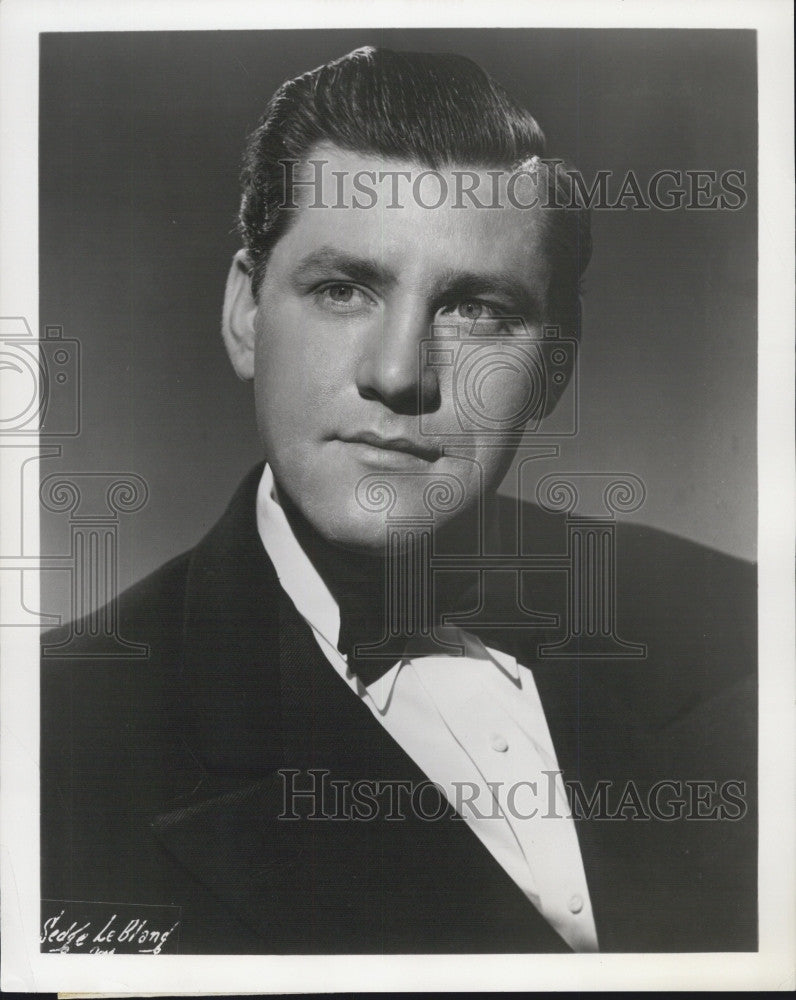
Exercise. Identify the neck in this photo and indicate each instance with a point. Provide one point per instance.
(348, 572)
(343, 570)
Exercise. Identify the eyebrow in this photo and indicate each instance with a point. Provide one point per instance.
(464, 283)
(451, 284)
(331, 259)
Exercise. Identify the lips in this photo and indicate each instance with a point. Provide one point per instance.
(404, 446)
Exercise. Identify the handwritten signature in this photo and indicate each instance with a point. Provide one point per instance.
(136, 936)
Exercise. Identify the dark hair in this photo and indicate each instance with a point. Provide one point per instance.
(438, 109)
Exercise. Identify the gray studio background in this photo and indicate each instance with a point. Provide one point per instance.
(141, 136)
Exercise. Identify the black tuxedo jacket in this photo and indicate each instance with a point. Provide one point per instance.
(161, 777)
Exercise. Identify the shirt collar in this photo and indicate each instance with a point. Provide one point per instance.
(314, 601)
(381, 690)
(299, 579)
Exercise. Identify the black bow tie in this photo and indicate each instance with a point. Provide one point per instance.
(363, 631)
(369, 647)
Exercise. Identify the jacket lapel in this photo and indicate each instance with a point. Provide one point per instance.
(227, 689)
(255, 696)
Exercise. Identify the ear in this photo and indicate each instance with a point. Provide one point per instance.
(237, 319)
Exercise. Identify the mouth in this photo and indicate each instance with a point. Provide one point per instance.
(426, 451)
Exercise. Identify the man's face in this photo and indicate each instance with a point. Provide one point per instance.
(342, 375)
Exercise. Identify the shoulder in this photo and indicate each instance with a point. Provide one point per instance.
(152, 611)
(151, 606)
(136, 632)
(694, 606)
(121, 668)
(657, 560)
(663, 563)
(689, 611)
(107, 678)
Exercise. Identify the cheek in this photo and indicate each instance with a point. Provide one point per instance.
(297, 381)
(502, 389)
(276, 380)
(491, 388)
(296, 356)
(485, 467)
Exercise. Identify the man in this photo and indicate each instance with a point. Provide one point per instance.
(344, 738)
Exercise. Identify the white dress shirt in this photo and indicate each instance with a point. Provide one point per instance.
(475, 725)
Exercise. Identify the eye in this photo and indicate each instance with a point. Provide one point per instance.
(470, 309)
(342, 297)
(485, 319)
(341, 294)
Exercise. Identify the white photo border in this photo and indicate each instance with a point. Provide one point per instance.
(24, 968)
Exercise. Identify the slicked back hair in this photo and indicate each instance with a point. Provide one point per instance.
(436, 109)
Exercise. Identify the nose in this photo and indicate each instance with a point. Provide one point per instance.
(392, 367)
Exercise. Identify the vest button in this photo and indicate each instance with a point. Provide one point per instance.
(576, 904)
(500, 744)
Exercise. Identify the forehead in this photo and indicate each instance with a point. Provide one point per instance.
(415, 220)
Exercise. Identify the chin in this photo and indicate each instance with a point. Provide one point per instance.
(341, 522)
(366, 534)
(354, 511)
(355, 537)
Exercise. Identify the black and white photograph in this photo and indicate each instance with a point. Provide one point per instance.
(389, 519)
